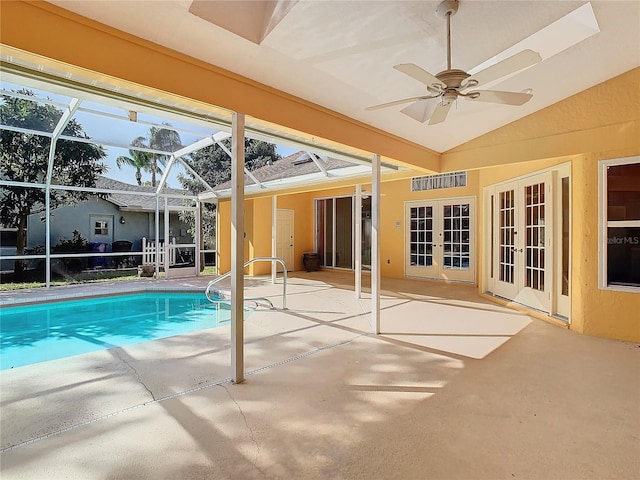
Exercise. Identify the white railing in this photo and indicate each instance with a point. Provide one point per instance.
(227, 298)
(149, 252)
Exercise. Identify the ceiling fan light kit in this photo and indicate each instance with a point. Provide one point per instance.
(452, 83)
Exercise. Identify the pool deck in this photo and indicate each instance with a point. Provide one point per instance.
(456, 387)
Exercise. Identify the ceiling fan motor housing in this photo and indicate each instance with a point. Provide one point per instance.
(452, 83)
(448, 7)
(452, 78)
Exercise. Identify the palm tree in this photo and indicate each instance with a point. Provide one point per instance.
(136, 159)
(163, 139)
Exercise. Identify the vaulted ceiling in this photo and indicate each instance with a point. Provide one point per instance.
(340, 54)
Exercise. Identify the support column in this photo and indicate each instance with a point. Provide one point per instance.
(274, 235)
(375, 244)
(358, 240)
(167, 242)
(64, 120)
(156, 233)
(198, 237)
(237, 247)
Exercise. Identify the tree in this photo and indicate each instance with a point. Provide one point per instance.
(24, 158)
(213, 164)
(164, 139)
(136, 159)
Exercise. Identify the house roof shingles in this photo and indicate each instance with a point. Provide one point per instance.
(287, 168)
(135, 202)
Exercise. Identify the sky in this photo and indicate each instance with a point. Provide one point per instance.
(111, 126)
(127, 174)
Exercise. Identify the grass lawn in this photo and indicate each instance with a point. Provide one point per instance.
(7, 282)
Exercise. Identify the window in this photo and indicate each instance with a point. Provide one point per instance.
(620, 223)
(101, 228)
(436, 182)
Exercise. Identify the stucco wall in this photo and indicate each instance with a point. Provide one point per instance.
(595, 311)
(580, 130)
(65, 220)
(257, 242)
(600, 123)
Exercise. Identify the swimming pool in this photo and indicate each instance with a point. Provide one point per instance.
(47, 331)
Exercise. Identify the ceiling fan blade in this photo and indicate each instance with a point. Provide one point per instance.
(440, 113)
(517, 62)
(496, 96)
(419, 74)
(420, 110)
(397, 102)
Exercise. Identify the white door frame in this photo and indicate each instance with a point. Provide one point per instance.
(443, 248)
(527, 258)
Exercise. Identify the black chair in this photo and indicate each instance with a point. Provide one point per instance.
(122, 246)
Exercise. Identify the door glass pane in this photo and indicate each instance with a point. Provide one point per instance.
(366, 232)
(507, 238)
(623, 256)
(623, 193)
(534, 236)
(421, 236)
(344, 237)
(101, 228)
(456, 236)
(328, 233)
(565, 236)
(320, 229)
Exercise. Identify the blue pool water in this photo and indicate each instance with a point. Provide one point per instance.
(47, 331)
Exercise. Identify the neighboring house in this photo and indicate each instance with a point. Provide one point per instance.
(121, 216)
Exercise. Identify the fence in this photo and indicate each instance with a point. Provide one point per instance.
(149, 252)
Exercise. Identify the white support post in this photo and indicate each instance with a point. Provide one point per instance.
(66, 117)
(47, 223)
(375, 244)
(237, 247)
(274, 235)
(167, 244)
(198, 236)
(358, 240)
(156, 258)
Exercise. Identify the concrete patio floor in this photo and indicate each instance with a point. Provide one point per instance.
(455, 387)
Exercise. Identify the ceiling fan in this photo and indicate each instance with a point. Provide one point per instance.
(450, 84)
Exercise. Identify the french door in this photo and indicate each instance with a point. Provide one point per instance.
(440, 239)
(522, 247)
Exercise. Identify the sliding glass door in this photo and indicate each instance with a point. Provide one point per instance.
(335, 239)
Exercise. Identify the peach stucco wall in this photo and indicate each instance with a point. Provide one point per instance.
(576, 131)
(258, 221)
(600, 123)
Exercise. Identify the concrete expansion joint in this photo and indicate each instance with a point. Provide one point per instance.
(367, 312)
(135, 373)
(249, 429)
(200, 386)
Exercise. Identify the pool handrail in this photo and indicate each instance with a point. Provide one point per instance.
(246, 264)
